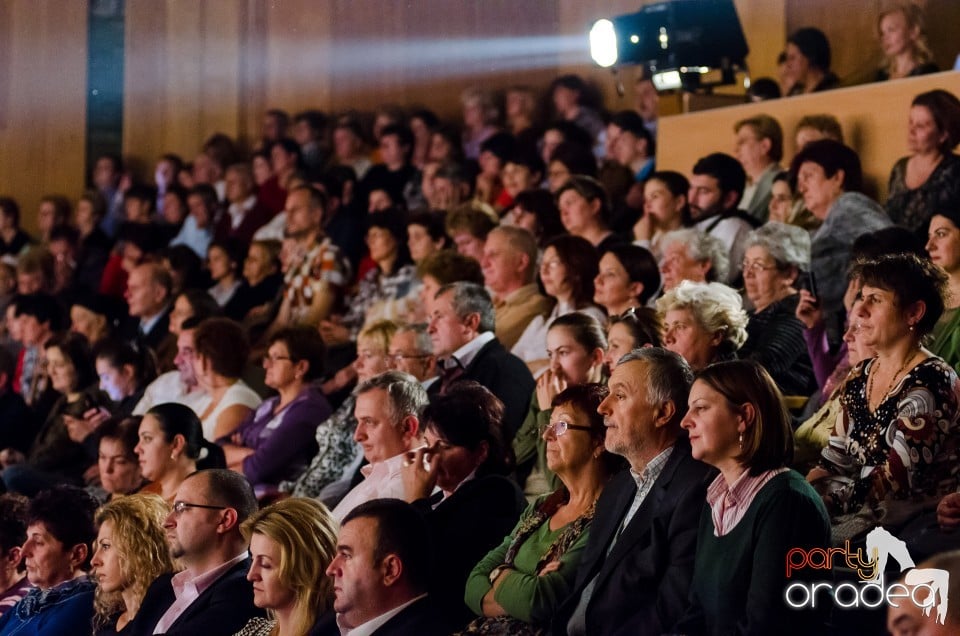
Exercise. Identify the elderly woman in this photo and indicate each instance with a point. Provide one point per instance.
(906, 52)
(896, 438)
(929, 178)
(690, 254)
(130, 552)
(829, 178)
(776, 254)
(465, 457)
(567, 271)
(275, 442)
(171, 443)
(757, 509)
(627, 277)
(703, 322)
(338, 455)
(635, 328)
(943, 246)
(575, 346)
(221, 353)
(517, 586)
(585, 211)
(57, 551)
(808, 62)
(292, 542)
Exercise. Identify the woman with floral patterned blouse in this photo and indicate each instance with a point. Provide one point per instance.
(895, 439)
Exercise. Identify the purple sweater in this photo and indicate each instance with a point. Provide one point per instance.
(282, 447)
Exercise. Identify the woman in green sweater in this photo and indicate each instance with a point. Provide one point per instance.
(757, 509)
(517, 586)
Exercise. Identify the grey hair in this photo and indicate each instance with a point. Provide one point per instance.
(669, 377)
(407, 395)
(701, 247)
(714, 306)
(422, 337)
(471, 298)
(788, 245)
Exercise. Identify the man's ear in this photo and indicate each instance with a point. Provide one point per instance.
(391, 569)
(410, 426)
(663, 413)
(730, 199)
(228, 522)
(472, 322)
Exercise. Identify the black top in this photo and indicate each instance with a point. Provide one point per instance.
(775, 340)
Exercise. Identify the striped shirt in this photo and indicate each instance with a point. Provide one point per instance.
(729, 504)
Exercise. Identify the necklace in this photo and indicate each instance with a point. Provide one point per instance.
(893, 380)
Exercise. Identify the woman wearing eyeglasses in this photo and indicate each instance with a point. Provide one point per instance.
(776, 254)
(276, 441)
(517, 586)
(575, 346)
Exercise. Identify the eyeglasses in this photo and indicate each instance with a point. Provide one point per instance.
(268, 359)
(551, 265)
(398, 357)
(561, 427)
(755, 266)
(180, 506)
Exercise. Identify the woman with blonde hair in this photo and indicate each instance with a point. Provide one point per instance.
(129, 553)
(903, 40)
(291, 543)
(703, 322)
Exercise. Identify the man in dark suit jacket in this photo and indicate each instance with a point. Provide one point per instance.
(204, 534)
(636, 570)
(461, 329)
(382, 571)
(148, 296)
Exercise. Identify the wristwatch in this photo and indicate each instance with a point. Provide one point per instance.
(495, 572)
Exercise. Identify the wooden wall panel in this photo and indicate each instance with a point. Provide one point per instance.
(879, 134)
(43, 52)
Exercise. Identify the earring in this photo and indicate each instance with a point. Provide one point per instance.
(173, 456)
(740, 441)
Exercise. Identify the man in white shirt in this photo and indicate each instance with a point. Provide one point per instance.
(381, 573)
(181, 385)
(211, 596)
(388, 425)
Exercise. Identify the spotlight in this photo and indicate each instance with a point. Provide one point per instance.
(685, 43)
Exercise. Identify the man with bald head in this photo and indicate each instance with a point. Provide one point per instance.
(636, 569)
(148, 297)
(509, 264)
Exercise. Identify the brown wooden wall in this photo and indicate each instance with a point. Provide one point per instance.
(43, 67)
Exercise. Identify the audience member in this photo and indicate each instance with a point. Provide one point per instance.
(395, 174)
(567, 160)
(106, 178)
(118, 466)
(465, 458)
(129, 553)
(245, 213)
(816, 127)
(443, 268)
(14, 583)
(913, 618)
(211, 595)
(522, 581)
(716, 189)
(523, 169)
(575, 344)
(943, 246)
(757, 509)
(95, 317)
(903, 41)
(585, 211)
(664, 209)
(462, 331)
(627, 277)
(197, 230)
(275, 442)
(574, 101)
(221, 352)
(703, 322)
(468, 228)
(426, 235)
(630, 144)
(411, 351)
(261, 271)
(692, 255)
(56, 554)
(927, 179)
(148, 297)
(13, 240)
(388, 410)
(124, 372)
(567, 272)
(829, 179)
(509, 264)
(292, 543)
(536, 211)
(808, 62)
(171, 444)
(759, 148)
(480, 116)
(775, 257)
(224, 262)
(637, 566)
(635, 328)
(180, 385)
(381, 573)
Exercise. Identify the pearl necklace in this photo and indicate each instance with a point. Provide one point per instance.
(893, 380)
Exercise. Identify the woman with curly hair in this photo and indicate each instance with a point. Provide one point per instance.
(292, 542)
(129, 553)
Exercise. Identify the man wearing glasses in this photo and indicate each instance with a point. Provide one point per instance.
(411, 351)
(211, 596)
